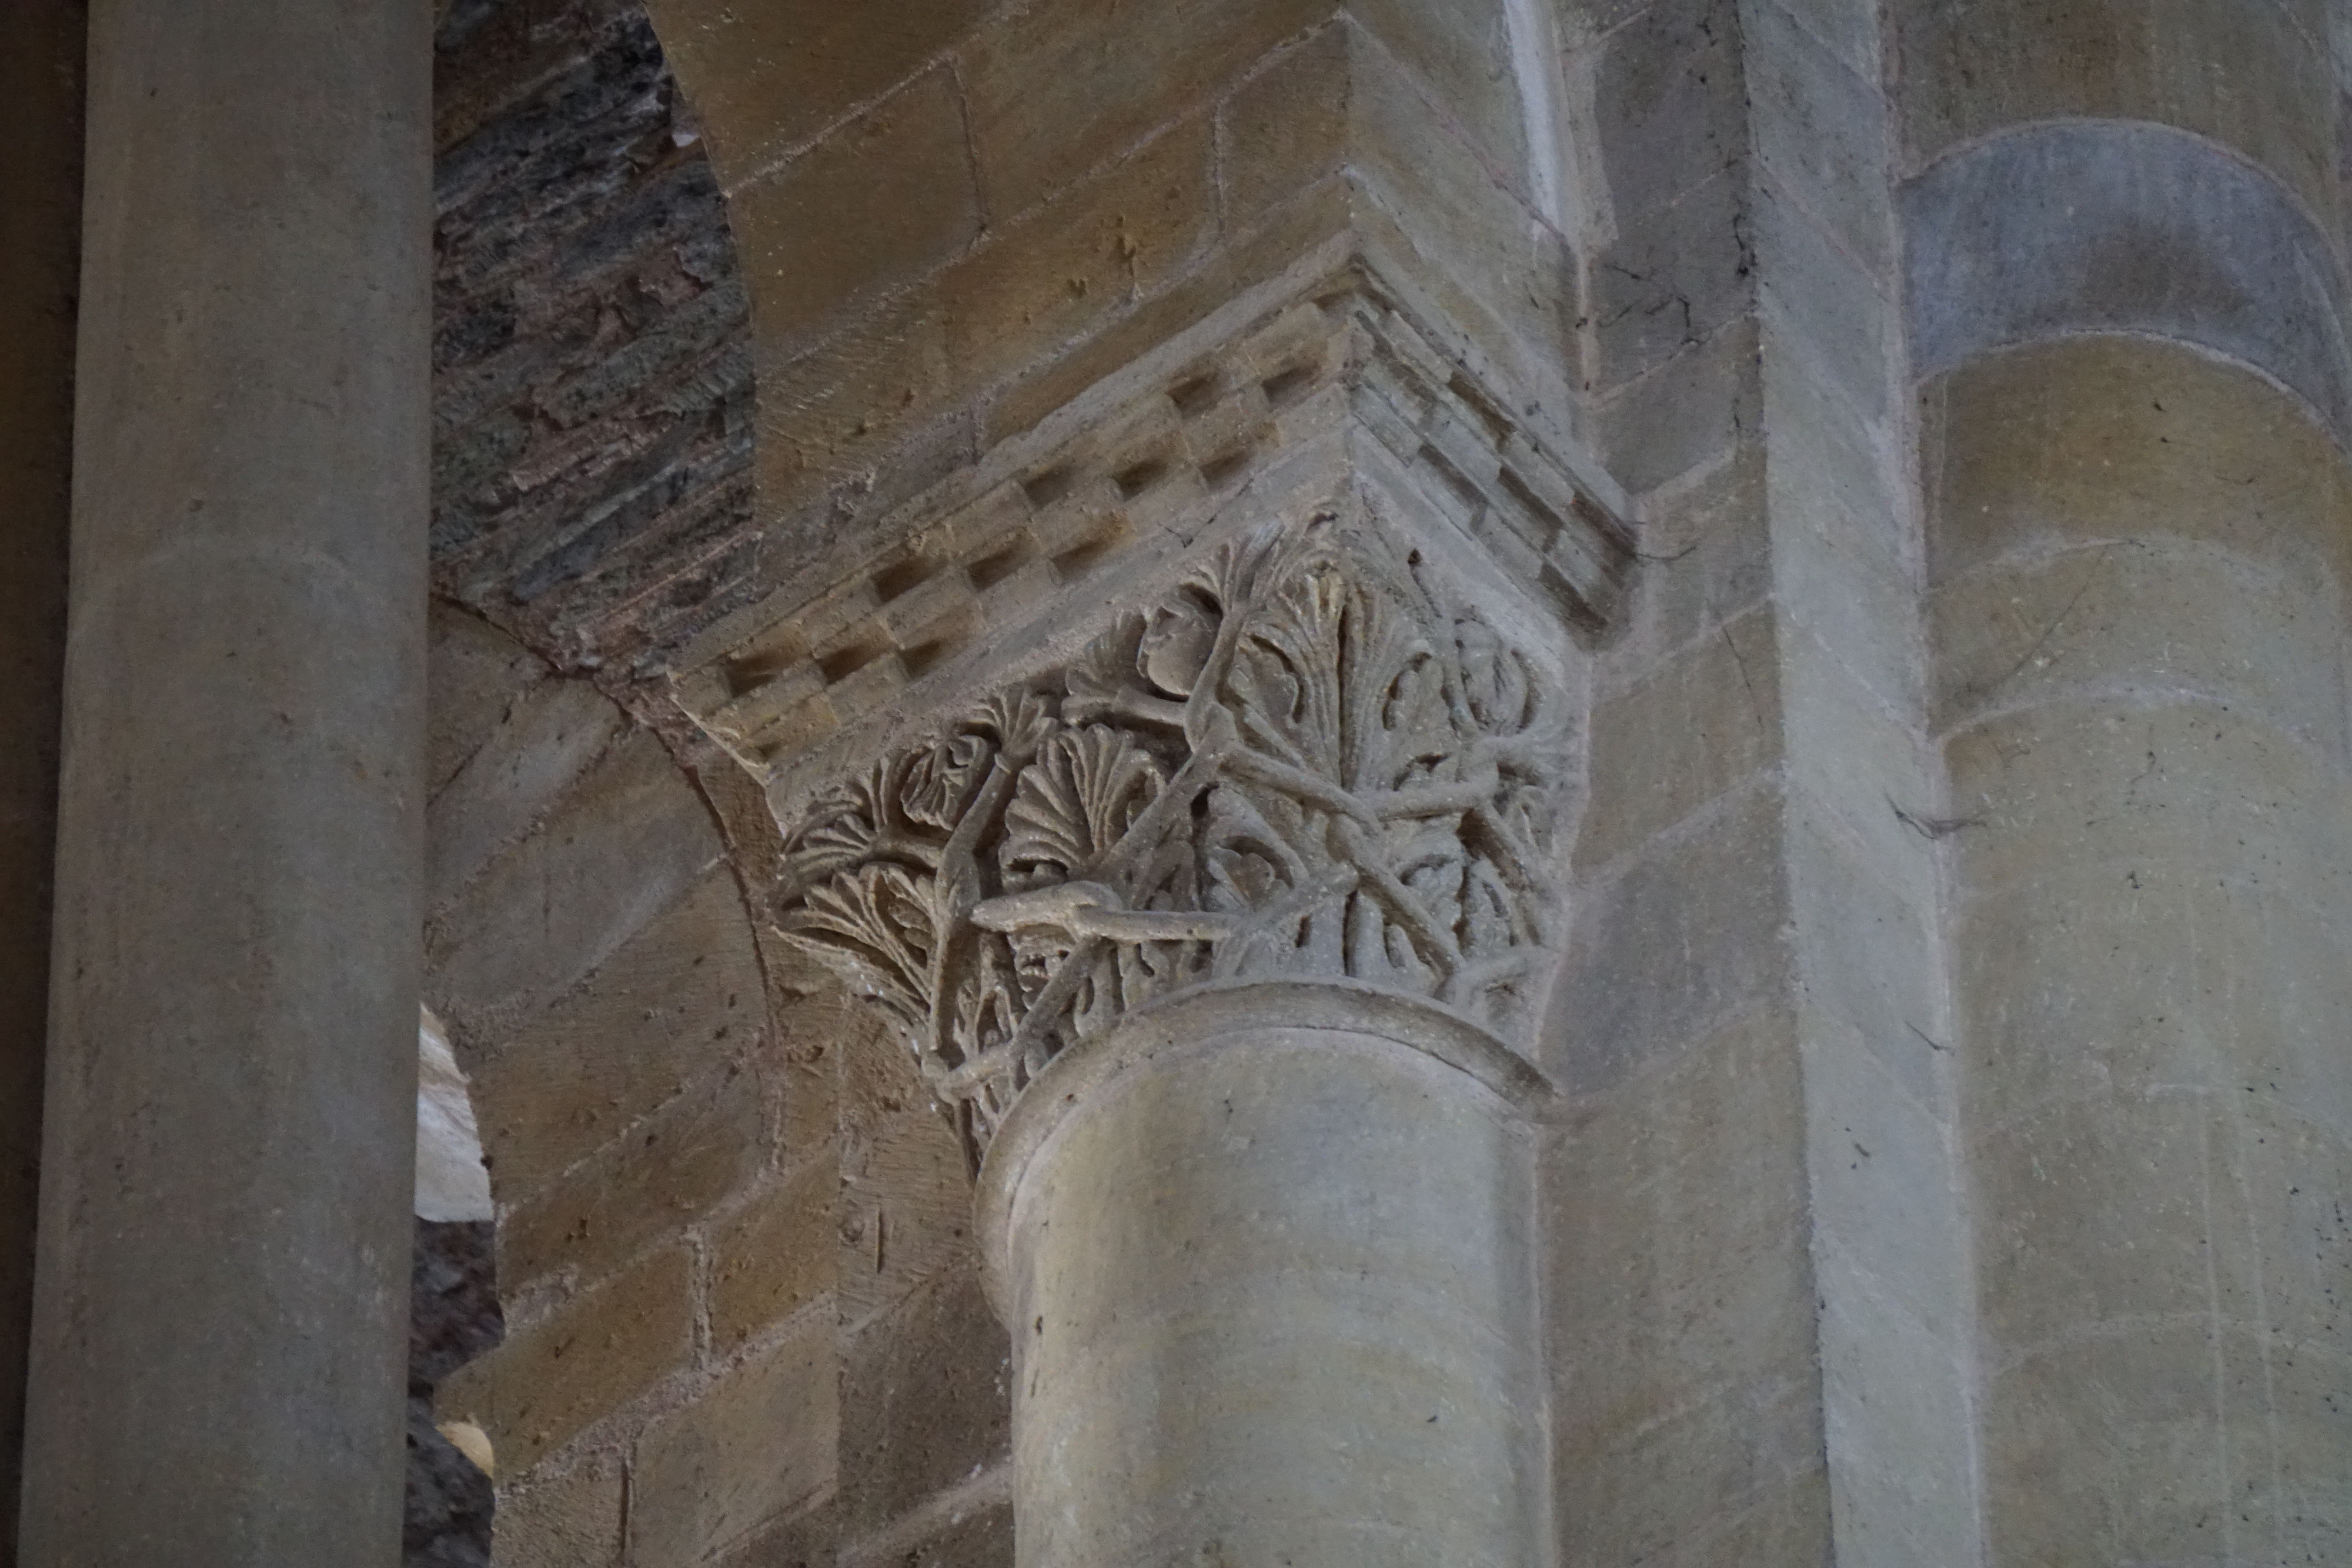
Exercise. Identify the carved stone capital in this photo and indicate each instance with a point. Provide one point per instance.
(1313, 756)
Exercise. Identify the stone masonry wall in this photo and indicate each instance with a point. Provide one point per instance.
(592, 461)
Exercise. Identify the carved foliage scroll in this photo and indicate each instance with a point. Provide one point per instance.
(1307, 762)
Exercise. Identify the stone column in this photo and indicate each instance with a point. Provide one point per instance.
(2131, 332)
(1269, 1262)
(217, 1348)
(1222, 937)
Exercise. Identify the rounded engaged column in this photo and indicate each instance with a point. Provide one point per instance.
(1267, 1260)
(217, 1353)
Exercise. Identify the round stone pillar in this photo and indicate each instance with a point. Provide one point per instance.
(218, 1349)
(1267, 1260)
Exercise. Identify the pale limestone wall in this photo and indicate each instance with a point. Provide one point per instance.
(1686, 1410)
(744, 1317)
(1925, 569)
(40, 158)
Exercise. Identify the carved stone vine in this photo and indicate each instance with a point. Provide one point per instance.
(1309, 761)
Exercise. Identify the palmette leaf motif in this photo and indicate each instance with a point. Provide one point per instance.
(876, 926)
(1074, 802)
(1304, 762)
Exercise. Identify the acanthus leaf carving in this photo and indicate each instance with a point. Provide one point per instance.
(1307, 762)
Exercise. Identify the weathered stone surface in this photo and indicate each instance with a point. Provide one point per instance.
(571, 1520)
(593, 1354)
(756, 1445)
(776, 1254)
(666, 1173)
(2253, 75)
(769, 78)
(548, 735)
(628, 840)
(1060, 86)
(1676, 740)
(680, 998)
(2098, 439)
(1678, 941)
(2123, 228)
(1689, 413)
(1670, 103)
(239, 848)
(1681, 1307)
(592, 369)
(883, 200)
(926, 1400)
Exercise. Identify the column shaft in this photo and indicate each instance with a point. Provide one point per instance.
(217, 1343)
(2142, 619)
(1271, 1295)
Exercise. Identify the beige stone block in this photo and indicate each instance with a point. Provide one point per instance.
(1705, 563)
(882, 201)
(979, 1538)
(1669, 96)
(766, 78)
(1680, 738)
(1684, 414)
(1701, 1484)
(1675, 1206)
(587, 1357)
(1062, 272)
(473, 671)
(1885, 1192)
(816, 1029)
(906, 1196)
(2096, 439)
(2111, 781)
(2147, 616)
(567, 1521)
(926, 1400)
(534, 747)
(849, 401)
(1899, 1423)
(1460, 53)
(1059, 87)
(811, 1539)
(1868, 957)
(2164, 1443)
(2241, 72)
(1288, 126)
(2089, 984)
(2109, 1209)
(668, 1171)
(682, 995)
(758, 1444)
(774, 1255)
(1788, 1523)
(1460, 223)
(1680, 939)
(544, 914)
